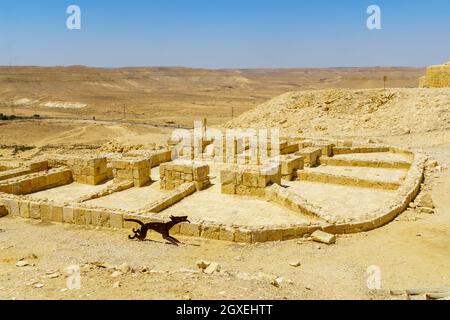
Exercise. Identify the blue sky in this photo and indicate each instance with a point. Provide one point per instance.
(225, 33)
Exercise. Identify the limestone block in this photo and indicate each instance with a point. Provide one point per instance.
(79, 216)
(290, 148)
(311, 155)
(88, 216)
(210, 232)
(323, 237)
(116, 220)
(190, 229)
(271, 192)
(90, 180)
(250, 179)
(57, 213)
(290, 164)
(243, 190)
(35, 210)
(300, 231)
(68, 214)
(227, 234)
(259, 236)
(175, 230)
(263, 181)
(289, 234)
(327, 149)
(46, 213)
(24, 208)
(38, 166)
(227, 177)
(200, 172)
(201, 185)
(14, 208)
(243, 236)
(228, 188)
(436, 77)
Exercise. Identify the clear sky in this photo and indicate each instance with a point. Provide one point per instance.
(225, 33)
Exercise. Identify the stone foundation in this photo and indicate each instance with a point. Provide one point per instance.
(155, 158)
(310, 155)
(37, 182)
(86, 170)
(184, 178)
(436, 77)
(289, 166)
(176, 173)
(249, 180)
(32, 167)
(131, 169)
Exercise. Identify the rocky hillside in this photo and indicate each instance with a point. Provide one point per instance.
(352, 112)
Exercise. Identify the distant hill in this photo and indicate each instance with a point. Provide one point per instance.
(176, 94)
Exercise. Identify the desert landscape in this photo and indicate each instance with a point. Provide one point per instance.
(361, 181)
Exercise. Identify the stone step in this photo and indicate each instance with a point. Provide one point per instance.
(329, 161)
(351, 178)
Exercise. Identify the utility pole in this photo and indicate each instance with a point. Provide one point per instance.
(385, 80)
(11, 104)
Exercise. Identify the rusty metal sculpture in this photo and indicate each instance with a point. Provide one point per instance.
(161, 228)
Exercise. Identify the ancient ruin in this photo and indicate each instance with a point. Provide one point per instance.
(332, 186)
(436, 77)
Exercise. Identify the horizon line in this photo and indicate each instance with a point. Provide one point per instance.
(213, 69)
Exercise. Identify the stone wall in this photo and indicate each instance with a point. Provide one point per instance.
(175, 196)
(155, 158)
(310, 155)
(249, 180)
(174, 174)
(80, 214)
(436, 77)
(85, 170)
(289, 166)
(369, 221)
(37, 182)
(131, 169)
(27, 169)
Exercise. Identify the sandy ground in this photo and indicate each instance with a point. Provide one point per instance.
(134, 198)
(171, 95)
(238, 210)
(344, 201)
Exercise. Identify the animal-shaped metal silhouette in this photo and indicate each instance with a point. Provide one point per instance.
(160, 227)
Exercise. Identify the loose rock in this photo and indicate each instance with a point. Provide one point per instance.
(425, 200)
(116, 274)
(323, 237)
(213, 267)
(203, 264)
(426, 210)
(124, 268)
(53, 275)
(22, 263)
(277, 282)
